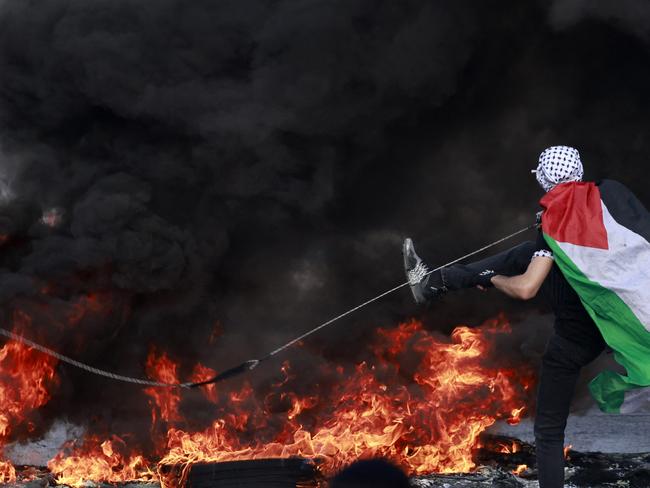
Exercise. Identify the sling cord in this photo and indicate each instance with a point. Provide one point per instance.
(247, 365)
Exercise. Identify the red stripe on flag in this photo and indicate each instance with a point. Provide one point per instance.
(573, 214)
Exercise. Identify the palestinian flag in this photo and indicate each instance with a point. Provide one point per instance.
(600, 236)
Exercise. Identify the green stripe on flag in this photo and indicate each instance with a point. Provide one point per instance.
(620, 328)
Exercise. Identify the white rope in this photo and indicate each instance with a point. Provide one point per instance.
(86, 367)
(252, 363)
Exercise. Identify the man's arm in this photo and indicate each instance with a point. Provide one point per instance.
(525, 286)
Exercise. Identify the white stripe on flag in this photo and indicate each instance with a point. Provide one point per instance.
(623, 268)
(636, 399)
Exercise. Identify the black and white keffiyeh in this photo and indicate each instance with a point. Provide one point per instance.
(558, 164)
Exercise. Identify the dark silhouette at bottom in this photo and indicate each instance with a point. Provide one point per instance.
(376, 473)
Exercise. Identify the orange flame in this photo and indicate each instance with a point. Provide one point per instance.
(7, 472)
(421, 400)
(25, 375)
(515, 415)
(99, 461)
(165, 401)
(432, 426)
(519, 470)
(511, 449)
(566, 451)
(203, 373)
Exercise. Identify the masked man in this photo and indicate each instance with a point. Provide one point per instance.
(591, 260)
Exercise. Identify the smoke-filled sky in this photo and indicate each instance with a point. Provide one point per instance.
(253, 165)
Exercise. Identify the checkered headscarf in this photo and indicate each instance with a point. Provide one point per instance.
(558, 164)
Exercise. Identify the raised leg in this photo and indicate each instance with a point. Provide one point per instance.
(511, 262)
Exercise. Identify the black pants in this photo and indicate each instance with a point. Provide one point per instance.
(512, 262)
(561, 366)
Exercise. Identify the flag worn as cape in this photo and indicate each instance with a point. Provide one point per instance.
(600, 237)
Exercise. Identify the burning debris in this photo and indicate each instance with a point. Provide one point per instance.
(499, 466)
(431, 425)
(419, 400)
(510, 463)
(25, 378)
(96, 460)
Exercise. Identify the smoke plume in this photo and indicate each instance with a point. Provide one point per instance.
(248, 168)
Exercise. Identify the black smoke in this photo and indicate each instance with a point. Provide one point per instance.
(256, 163)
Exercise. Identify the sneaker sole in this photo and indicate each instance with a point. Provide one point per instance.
(407, 247)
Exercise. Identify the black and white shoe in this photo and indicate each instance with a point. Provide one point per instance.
(425, 286)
